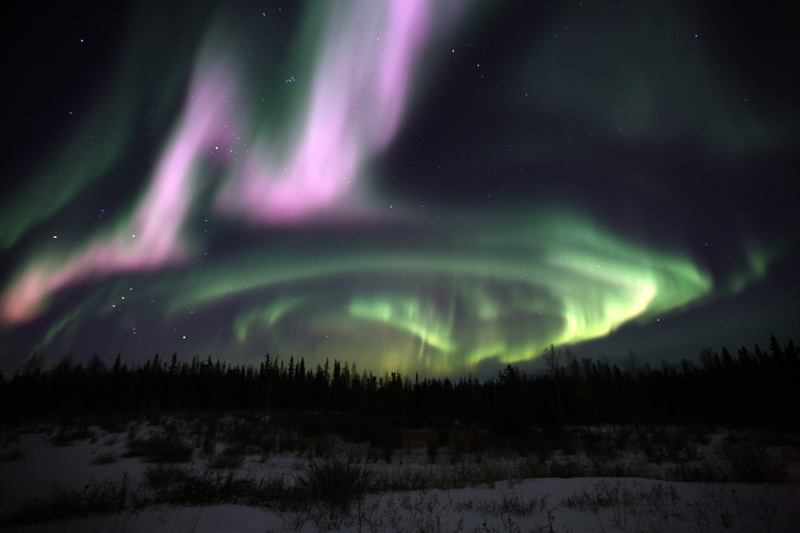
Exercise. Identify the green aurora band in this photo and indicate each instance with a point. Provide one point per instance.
(451, 303)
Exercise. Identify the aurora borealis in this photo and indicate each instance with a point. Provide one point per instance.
(410, 184)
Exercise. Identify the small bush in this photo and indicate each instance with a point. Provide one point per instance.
(159, 450)
(194, 487)
(334, 482)
(509, 504)
(432, 447)
(96, 497)
(603, 494)
(751, 463)
(210, 436)
(223, 461)
(111, 423)
(15, 454)
(105, 458)
(65, 437)
(161, 476)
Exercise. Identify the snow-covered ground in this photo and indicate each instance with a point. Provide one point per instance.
(32, 467)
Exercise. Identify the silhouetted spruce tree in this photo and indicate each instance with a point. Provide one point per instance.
(552, 360)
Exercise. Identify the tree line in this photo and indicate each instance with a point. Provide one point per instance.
(753, 387)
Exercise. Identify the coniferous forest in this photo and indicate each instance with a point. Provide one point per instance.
(751, 387)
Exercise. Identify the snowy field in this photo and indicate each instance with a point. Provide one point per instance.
(188, 475)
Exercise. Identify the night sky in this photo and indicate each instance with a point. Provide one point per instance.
(413, 185)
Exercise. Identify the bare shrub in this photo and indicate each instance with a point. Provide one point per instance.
(160, 476)
(196, 487)
(14, 454)
(159, 450)
(96, 497)
(334, 482)
(104, 458)
(753, 463)
(432, 447)
(516, 504)
(65, 436)
(223, 461)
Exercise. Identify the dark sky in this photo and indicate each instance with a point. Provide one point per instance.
(413, 185)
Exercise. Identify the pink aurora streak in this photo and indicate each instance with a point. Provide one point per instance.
(152, 237)
(358, 98)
